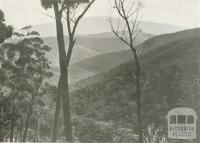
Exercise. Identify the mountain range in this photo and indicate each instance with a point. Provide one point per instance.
(97, 25)
(102, 80)
(98, 63)
(100, 51)
(169, 75)
(91, 45)
(87, 47)
(105, 62)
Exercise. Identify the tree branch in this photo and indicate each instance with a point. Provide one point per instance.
(126, 14)
(118, 6)
(62, 7)
(72, 30)
(68, 21)
(81, 15)
(45, 13)
(116, 32)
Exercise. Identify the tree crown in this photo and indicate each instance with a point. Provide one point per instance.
(49, 3)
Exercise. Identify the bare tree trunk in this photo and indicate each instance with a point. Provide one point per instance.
(12, 121)
(129, 13)
(11, 130)
(56, 118)
(36, 131)
(63, 80)
(1, 132)
(138, 94)
(30, 110)
(64, 91)
(20, 130)
(27, 123)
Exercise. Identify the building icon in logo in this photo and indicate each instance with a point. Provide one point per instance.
(182, 123)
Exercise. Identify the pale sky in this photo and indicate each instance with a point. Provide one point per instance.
(184, 13)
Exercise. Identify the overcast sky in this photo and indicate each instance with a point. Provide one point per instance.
(177, 12)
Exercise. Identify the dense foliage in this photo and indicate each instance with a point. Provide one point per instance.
(23, 70)
(49, 3)
(169, 75)
(5, 31)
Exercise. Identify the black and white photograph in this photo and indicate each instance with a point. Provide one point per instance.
(100, 71)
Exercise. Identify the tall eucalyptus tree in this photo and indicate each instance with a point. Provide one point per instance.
(66, 9)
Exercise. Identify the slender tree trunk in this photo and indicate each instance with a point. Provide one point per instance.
(64, 91)
(138, 94)
(130, 19)
(36, 131)
(20, 130)
(63, 80)
(56, 118)
(30, 110)
(1, 132)
(11, 130)
(27, 124)
(12, 121)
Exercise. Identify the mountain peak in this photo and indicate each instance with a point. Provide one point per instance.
(100, 24)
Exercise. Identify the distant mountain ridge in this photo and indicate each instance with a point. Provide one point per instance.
(96, 25)
(90, 46)
(104, 62)
(168, 80)
(99, 52)
(108, 61)
(86, 47)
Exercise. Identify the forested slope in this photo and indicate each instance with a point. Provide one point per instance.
(169, 79)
